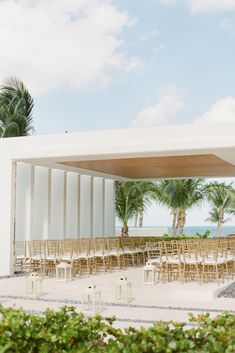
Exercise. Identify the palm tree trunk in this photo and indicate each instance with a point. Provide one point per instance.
(141, 218)
(125, 231)
(181, 219)
(220, 222)
(174, 230)
(136, 219)
(219, 228)
(178, 222)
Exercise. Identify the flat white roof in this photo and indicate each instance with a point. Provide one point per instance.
(57, 151)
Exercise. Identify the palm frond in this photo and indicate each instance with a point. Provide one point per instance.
(16, 105)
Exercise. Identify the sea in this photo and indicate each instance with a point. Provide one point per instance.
(189, 230)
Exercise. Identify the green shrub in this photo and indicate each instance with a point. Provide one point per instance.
(68, 331)
(204, 235)
(167, 238)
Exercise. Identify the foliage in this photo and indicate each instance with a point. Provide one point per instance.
(16, 107)
(204, 235)
(221, 197)
(179, 196)
(132, 198)
(125, 205)
(145, 193)
(69, 331)
(166, 237)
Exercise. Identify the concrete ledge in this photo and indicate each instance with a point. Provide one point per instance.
(217, 292)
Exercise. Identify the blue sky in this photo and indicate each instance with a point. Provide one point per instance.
(104, 64)
(192, 54)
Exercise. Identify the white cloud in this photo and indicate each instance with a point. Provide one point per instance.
(211, 5)
(204, 5)
(167, 107)
(62, 43)
(221, 111)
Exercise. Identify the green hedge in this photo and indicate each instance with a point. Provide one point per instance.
(160, 238)
(68, 331)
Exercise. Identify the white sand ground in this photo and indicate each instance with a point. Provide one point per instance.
(164, 301)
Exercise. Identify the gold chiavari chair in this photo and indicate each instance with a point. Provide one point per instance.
(70, 254)
(20, 256)
(36, 256)
(172, 253)
(213, 266)
(85, 256)
(116, 254)
(102, 260)
(156, 258)
(230, 256)
(52, 256)
(130, 254)
(141, 250)
(191, 260)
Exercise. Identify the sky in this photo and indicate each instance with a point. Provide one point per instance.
(107, 64)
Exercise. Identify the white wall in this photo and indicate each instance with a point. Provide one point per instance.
(109, 214)
(40, 202)
(98, 207)
(73, 206)
(23, 200)
(85, 206)
(41, 212)
(7, 192)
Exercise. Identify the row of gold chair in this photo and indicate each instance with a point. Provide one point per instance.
(201, 259)
(86, 255)
(189, 259)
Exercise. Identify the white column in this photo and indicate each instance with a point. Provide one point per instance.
(98, 207)
(91, 207)
(29, 204)
(64, 205)
(109, 207)
(85, 206)
(78, 205)
(7, 215)
(47, 220)
(103, 208)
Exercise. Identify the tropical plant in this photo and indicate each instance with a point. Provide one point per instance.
(179, 196)
(166, 196)
(16, 108)
(132, 199)
(221, 197)
(125, 205)
(204, 235)
(145, 193)
(68, 331)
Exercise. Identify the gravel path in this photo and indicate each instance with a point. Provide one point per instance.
(229, 292)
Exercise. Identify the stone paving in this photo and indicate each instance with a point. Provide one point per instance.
(164, 301)
(228, 292)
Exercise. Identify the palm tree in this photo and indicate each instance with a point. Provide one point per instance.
(221, 197)
(132, 199)
(179, 196)
(125, 206)
(16, 108)
(165, 195)
(145, 193)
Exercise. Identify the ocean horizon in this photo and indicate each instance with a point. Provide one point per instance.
(192, 230)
